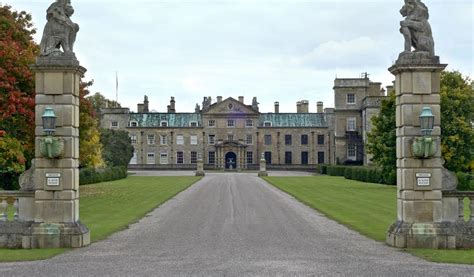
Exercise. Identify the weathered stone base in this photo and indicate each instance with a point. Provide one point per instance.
(417, 58)
(445, 235)
(12, 233)
(200, 173)
(262, 173)
(56, 235)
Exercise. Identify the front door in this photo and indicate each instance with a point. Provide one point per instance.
(230, 160)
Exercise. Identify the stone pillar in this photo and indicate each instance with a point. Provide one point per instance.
(419, 181)
(200, 167)
(263, 166)
(56, 219)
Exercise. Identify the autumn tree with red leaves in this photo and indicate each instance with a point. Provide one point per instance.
(17, 93)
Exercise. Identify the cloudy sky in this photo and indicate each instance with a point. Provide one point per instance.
(276, 50)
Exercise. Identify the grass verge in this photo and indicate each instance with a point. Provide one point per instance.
(364, 207)
(110, 207)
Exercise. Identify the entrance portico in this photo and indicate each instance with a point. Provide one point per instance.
(231, 155)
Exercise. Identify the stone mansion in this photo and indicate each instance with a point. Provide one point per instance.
(230, 134)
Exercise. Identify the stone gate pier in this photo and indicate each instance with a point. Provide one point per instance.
(430, 210)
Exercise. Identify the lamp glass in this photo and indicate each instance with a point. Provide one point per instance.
(426, 121)
(49, 121)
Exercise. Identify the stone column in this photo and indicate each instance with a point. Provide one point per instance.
(200, 166)
(419, 181)
(263, 166)
(57, 221)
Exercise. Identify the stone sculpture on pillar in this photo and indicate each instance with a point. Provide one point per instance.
(263, 166)
(59, 31)
(417, 33)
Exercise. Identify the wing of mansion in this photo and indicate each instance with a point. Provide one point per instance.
(231, 134)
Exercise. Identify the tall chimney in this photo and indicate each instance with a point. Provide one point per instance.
(305, 106)
(241, 99)
(145, 105)
(172, 107)
(219, 99)
(319, 107)
(277, 107)
(298, 107)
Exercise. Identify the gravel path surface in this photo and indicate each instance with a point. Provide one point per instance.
(235, 225)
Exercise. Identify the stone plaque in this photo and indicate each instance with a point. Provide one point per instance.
(52, 179)
(423, 182)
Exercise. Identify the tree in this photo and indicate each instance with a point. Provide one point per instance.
(382, 139)
(17, 52)
(90, 148)
(12, 161)
(457, 115)
(457, 134)
(99, 101)
(118, 149)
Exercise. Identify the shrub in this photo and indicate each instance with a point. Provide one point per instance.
(335, 170)
(465, 181)
(92, 176)
(321, 168)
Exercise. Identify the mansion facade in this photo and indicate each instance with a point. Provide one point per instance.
(230, 134)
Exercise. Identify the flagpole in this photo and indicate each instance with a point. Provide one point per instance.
(116, 88)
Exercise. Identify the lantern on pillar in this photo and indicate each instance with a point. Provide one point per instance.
(424, 147)
(426, 121)
(49, 121)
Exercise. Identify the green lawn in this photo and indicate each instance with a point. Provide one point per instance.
(111, 206)
(367, 208)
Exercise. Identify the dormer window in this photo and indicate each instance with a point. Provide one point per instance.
(164, 123)
(133, 124)
(267, 124)
(193, 124)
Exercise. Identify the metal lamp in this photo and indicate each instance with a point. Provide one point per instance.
(49, 121)
(426, 121)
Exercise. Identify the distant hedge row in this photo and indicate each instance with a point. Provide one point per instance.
(92, 176)
(359, 173)
(375, 175)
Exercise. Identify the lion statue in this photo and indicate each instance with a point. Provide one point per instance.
(59, 31)
(415, 28)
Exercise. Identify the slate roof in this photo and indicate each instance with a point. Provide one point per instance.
(176, 120)
(294, 119)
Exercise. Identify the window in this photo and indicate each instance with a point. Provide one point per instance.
(304, 139)
(133, 124)
(180, 140)
(163, 140)
(351, 152)
(151, 139)
(249, 157)
(179, 157)
(267, 124)
(114, 124)
(150, 158)
(320, 139)
(193, 124)
(212, 123)
(133, 138)
(164, 123)
(212, 139)
(212, 157)
(321, 157)
(351, 124)
(249, 123)
(193, 157)
(288, 158)
(287, 139)
(230, 123)
(351, 98)
(194, 140)
(249, 139)
(230, 137)
(163, 158)
(268, 157)
(304, 157)
(268, 139)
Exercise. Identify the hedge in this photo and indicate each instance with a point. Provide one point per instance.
(92, 176)
(336, 170)
(465, 181)
(359, 173)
